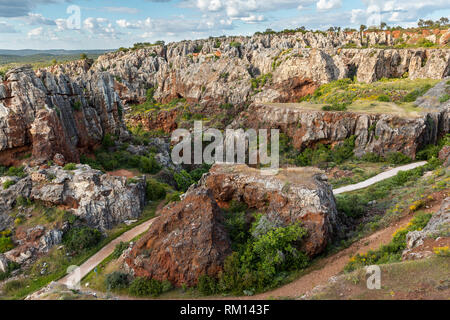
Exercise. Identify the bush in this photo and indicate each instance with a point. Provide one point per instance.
(8, 184)
(261, 263)
(81, 238)
(119, 249)
(372, 157)
(108, 141)
(149, 165)
(397, 158)
(70, 167)
(13, 172)
(155, 190)
(183, 180)
(142, 287)
(335, 107)
(413, 95)
(173, 197)
(207, 285)
(383, 98)
(117, 280)
(6, 244)
(351, 205)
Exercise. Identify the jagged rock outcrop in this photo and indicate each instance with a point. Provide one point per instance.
(48, 113)
(187, 240)
(376, 132)
(437, 227)
(100, 200)
(33, 242)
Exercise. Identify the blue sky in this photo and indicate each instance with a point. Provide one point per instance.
(47, 24)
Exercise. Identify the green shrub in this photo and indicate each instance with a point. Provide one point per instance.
(262, 262)
(108, 141)
(149, 165)
(235, 44)
(183, 180)
(77, 105)
(13, 172)
(81, 238)
(6, 244)
(173, 197)
(70, 167)
(155, 190)
(117, 280)
(69, 217)
(235, 225)
(413, 95)
(372, 157)
(351, 205)
(8, 184)
(335, 107)
(383, 98)
(397, 158)
(207, 285)
(119, 249)
(444, 98)
(142, 287)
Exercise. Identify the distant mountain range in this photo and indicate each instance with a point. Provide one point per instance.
(55, 52)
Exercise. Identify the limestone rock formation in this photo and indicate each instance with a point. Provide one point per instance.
(187, 240)
(294, 195)
(379, 133)
(438, 226)
(101, 200)
(49, 113)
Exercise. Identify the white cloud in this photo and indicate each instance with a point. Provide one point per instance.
(35, 32)
(121, 10)
(328, 4)
(38, 19)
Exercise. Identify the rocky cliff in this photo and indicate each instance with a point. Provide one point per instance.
(69, 108)
(380, 133)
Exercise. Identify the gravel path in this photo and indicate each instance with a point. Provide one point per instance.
(93, 261)
(379, 177)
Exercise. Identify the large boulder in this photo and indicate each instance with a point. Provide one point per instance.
(293, 195)
(187, 240)
(101, 200)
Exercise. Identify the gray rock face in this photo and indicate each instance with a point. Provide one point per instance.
(439, 223)
(67, 108)
(101, 200)
(3, 263)
(379, 133)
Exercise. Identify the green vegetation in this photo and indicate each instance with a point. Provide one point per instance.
(117, 280)
(321, 155)
(431, 150)
(391, 252)
(70, 167)
(78, 239)
(13, 172)
(347, 91)
(235, 44)
(143, 287)
(155, 190)
(354, 204)
(6, 243)
(119, 249)
(261, 81)
(8, 184)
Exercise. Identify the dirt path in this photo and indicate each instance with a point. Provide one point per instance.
(93, 261)
(379, 177)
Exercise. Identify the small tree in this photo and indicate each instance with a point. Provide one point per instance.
(383, 25)
(83, 56)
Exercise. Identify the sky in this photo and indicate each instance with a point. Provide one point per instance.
(101, 24)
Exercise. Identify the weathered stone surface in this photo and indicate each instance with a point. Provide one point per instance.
(187, 240)
(49, 113)
(444, 155)
(439, 222)
(379, 133)
(294, 195)
(100, 199)
(3, 263)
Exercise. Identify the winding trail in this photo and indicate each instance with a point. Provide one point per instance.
(305, 281)
(97, 258)
(379, 177)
